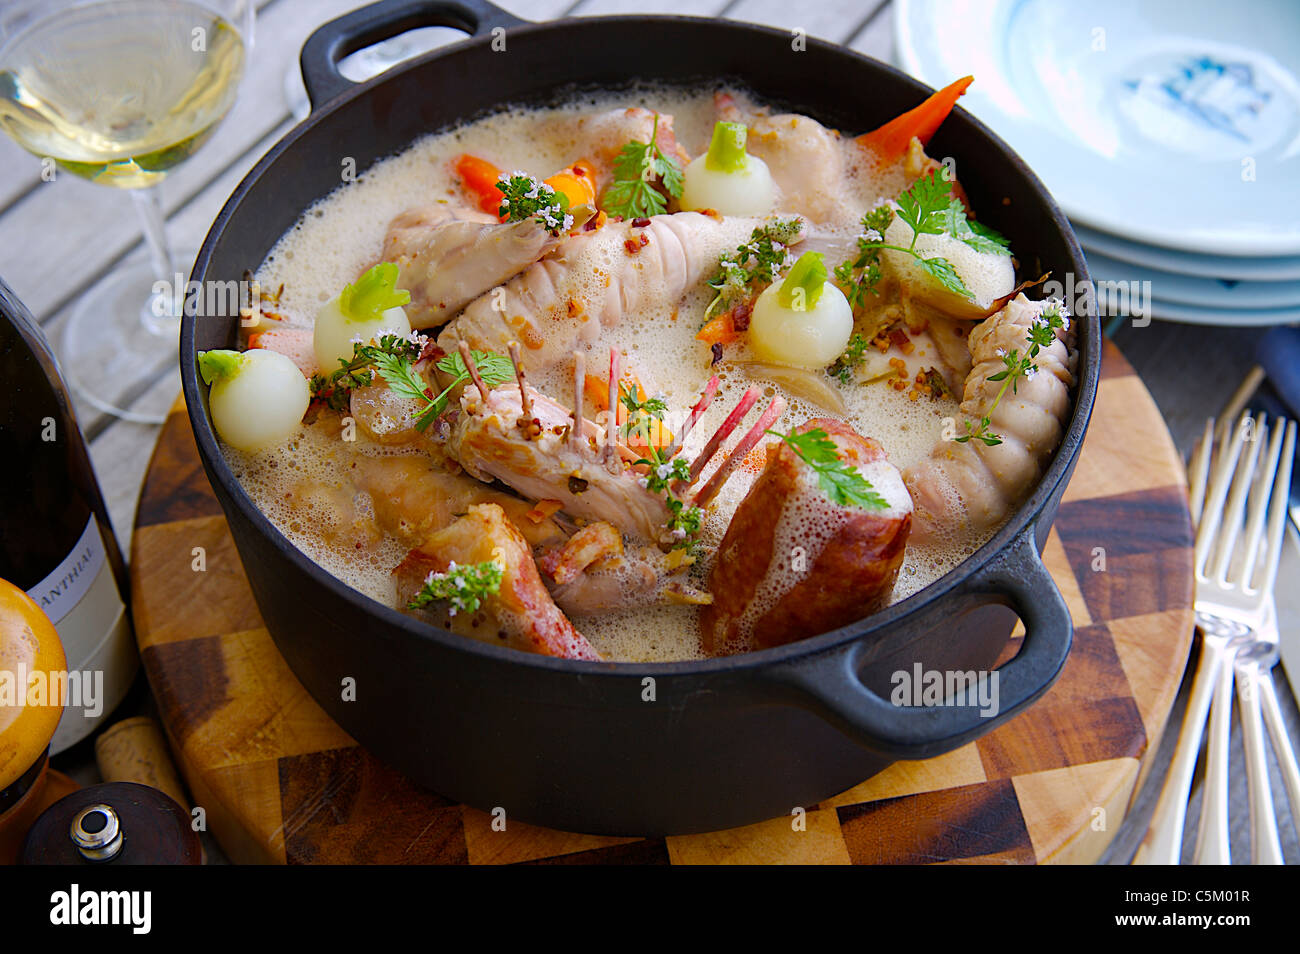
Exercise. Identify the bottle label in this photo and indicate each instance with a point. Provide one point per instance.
(63, 589)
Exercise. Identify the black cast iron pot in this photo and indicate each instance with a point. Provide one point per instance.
(601, 747)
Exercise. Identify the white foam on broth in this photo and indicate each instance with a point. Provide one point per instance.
(303, 486)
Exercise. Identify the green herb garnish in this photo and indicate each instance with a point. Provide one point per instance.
(402, 377)
(641, 413)
(846, 363)
(463, 587)
(927, 208)
(840, 481)
(335, 389)
(523, 197)
(684, 520)
(754, 263)
(639, 164)
(859, 277)
(1042, 333)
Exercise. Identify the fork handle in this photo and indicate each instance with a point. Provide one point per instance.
(1265, 848)
(1212, 845)
(1281, 744)
(1163, 844)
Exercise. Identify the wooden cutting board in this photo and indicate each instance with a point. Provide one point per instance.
(280, 782)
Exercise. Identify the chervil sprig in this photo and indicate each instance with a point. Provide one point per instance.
(756, 262)
(405, 381)
(840, 481)
(523, 197)
(464, 588)
(1042, 332)
(334, 390)
(927, 208)
(637, 167)
(641, 413)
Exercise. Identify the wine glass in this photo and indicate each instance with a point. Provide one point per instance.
(119, 92)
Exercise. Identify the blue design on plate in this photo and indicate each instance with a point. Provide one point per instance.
(1214, 93)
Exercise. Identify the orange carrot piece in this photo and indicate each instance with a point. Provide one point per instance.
(719, 330)
(577, 182)
(480, 177)
(596, 391)
(890, 141)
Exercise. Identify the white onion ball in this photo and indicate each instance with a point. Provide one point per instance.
(806, 339)
(747, 191)
(262, 403)
(334, 333)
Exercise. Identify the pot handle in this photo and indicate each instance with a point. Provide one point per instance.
(380, 21)
(1016, 578)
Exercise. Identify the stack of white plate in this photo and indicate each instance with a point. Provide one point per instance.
(1168, 131)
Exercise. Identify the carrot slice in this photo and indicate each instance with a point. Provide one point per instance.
(719, 330)
(596, 391)
(480, 177)
(890, 141)
(577, 182)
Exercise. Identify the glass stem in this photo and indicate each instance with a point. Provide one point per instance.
(153, 223)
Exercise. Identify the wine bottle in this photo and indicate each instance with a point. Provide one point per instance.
(56, 541)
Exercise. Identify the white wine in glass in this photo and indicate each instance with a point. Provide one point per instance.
(119, 92)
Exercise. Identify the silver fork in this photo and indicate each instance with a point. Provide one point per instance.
(1233, 589)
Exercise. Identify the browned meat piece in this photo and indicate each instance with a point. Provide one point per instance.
(593, 572)
(521, 614)
(552, 306)
(519, 436)
(414, 497)
(793, 563)
(448, 257)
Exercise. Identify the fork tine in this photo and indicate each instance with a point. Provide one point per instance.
(1242, 480)
(1198, 471)
(1278, 509)
(1225, 463)
(1260, 493)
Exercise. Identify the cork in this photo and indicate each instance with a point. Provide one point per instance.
(134, 750)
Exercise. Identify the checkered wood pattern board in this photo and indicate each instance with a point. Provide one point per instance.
(281, 782)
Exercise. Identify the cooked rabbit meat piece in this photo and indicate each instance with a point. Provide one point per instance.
(572, 296)
(446, 262)
(596, 543)
(793, 563)
(521, 614)
(542, 464)
(593, 572)
(973, 486)
(414, 497)
(805, 158)
(544, 451)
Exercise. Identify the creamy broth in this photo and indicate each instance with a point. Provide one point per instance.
(342, 235)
